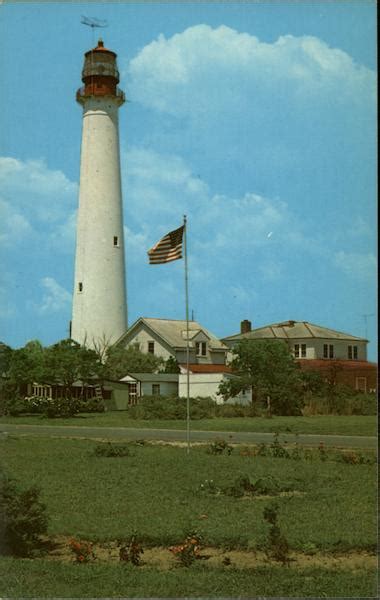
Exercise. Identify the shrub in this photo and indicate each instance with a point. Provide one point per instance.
(189, 551)
(277, 545)
(240, 487)
(276, 450)
(83, 551)
(24, 518)
(93, 405)
(209, 487)
(61, 407)
(113, 450)
(131, 550)
(219, 447)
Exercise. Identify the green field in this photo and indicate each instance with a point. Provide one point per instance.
(326, 424)
(157, 492)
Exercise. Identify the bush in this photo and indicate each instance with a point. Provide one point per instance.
(277, 546)
(219, 447)
(23, 517)
(189, 550)
(61, 407)
(342, 400)
(91, 406)
(131, 550)
(113, 450)
(171, 407)
(83, 551)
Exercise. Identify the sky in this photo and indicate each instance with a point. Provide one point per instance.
(255, 119)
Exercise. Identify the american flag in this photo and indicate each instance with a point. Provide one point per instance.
(168, 248)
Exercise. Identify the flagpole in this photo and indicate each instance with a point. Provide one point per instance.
(187, 340)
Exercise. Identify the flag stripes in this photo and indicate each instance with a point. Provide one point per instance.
(168, 248)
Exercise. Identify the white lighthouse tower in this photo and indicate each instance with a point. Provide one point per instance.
(99, 301)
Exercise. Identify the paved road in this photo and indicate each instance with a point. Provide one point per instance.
(176, 435)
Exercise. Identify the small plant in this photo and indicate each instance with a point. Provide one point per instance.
(296, 453)
(277, 546)
(23, 518)
(278, 451)
(189, 551)
(262, 450)
(209, 487)
(226, 561)
(219, 447)
(309, 549)
(83, 551)
(322, 452)
(240, 487)
(131, 551)
(113, 450)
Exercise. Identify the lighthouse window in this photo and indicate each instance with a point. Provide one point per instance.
(115, 240)
(80, 287)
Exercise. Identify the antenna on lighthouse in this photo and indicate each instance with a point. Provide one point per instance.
(93, 22)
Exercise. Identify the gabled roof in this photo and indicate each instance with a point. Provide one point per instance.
(173, 332)
(294, 330)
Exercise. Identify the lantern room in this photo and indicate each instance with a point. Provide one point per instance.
(100, 74)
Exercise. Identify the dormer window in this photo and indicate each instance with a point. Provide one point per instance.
(201, 348)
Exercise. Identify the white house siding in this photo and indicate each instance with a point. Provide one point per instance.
(167, 388)
(206, 385)
(143, 336)
(340, 348)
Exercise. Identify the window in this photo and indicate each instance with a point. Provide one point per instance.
(350, 352)
(331, 351)
(155, 389)
(296, 350)
(115, 240)
(361, 384)
(325, 351)
(80, 287)
(151, 347)
(201, 348)
(355, 353)
(132, 393)
(303, 350)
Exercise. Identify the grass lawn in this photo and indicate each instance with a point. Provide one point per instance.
(27, 578)
(320, 425)
(157, 492)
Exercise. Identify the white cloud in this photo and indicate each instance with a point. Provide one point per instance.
(55, 298)
(202, 70)
(43, 195)
(14, 227)
(357, 265)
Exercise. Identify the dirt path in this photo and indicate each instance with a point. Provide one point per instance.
(163, 559)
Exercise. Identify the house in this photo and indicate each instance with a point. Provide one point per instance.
(150, 384)
(167, 338)
(204, 381)
(337, 355)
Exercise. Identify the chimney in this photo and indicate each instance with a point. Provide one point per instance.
(245, 326)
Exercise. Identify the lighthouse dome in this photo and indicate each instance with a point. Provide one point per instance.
(100, 61)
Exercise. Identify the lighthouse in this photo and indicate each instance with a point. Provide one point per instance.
(99, 300)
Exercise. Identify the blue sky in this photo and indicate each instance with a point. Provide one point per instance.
(256, 119)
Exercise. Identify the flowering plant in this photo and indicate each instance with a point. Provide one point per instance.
(131, 551)
(83, 551)
(189, 550)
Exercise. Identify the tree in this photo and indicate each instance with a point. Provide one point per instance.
(171, 365)
(121, 361)
(268, 369)
(67, 362)
(25, 365)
